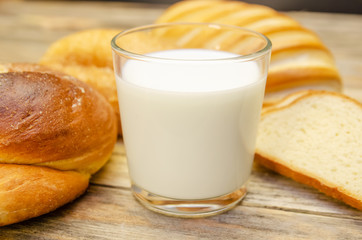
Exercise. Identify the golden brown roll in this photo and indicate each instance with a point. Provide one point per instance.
(299, 59)
(87, 56)
(55, 131)
(28, 191)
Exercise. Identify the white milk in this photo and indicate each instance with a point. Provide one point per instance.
(190, 127)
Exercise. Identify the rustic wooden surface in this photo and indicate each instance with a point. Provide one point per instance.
(274, 208)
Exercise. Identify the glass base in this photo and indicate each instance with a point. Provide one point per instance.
(188, 208)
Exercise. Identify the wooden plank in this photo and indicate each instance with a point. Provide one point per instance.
(111, 213)
(270, 190)
(115, 172)
(28, 28)
(81, 14)
(265, 189)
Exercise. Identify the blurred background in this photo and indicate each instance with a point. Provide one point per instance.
(337, 6)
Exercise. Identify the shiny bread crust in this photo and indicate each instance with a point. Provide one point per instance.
(29, 191)
(55, 132)
(47, 119)
(87, 56)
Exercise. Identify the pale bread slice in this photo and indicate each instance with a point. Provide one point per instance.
(315, 137)
(285, 101)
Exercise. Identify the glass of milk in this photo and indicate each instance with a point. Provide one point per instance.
(190, 97)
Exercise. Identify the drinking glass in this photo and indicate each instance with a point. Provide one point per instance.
(190, 96)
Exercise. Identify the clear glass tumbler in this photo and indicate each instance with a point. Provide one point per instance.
(190, 97)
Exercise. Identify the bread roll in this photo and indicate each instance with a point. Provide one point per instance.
(315, 137)
(55, 131)
(28, 191)
(27, 67)
(87, 56)
(299, 59)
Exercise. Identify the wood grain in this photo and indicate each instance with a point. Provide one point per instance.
(112, 213)
(274, 208)
(286, 194)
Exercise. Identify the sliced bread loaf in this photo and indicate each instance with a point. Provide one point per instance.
(315, 137)
(299, 59)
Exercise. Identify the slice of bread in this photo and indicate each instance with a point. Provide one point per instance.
(315, 137)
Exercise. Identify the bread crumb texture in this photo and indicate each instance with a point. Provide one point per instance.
(318, 135)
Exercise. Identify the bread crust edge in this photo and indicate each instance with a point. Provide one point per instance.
(270, 163)
(308, 180)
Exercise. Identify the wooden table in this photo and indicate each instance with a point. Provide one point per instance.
(274, 208)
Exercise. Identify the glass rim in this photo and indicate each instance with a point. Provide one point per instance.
(145, 57)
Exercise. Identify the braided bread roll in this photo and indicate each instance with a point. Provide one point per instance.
(55, 132)
(299, 59)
